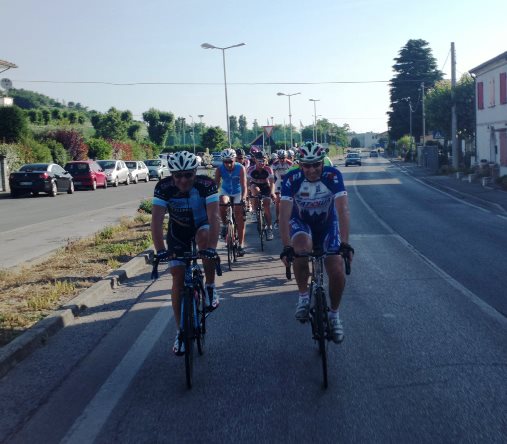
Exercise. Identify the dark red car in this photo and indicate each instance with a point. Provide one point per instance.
(87, 174)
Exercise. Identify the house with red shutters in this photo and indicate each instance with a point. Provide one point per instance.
(491, 111)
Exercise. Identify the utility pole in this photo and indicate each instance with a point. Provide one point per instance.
(423, 116)
(454, 123)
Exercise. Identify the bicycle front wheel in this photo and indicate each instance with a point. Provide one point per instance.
(260, 228)
(320, 330)
(200, 300)
(230, 245)
(188, 334)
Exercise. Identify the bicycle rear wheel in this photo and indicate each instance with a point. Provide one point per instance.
(320, 330)
(200, 301)
(188, 334)
(260, 227)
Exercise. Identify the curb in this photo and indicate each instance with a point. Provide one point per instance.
(38, 335)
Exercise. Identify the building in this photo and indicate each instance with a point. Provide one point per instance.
(491, 111)
(367, 140)
(5, 101)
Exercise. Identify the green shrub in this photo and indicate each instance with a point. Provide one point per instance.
(99, 149)
(13, 124)
(35, 151)
(59, 153)
(145, 206)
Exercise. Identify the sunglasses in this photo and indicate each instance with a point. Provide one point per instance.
(314, 165)
(228, 161)
(186, 175)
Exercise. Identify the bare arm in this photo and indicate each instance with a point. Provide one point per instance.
(242, 178)
(218, 177)
(157, 226)
(285, 212)
(342, 208)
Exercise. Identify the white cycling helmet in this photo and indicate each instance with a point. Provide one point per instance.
(274, 156)
(290, 153)
(182, 161)
(228, 154)
(282, 154)
(311, 152)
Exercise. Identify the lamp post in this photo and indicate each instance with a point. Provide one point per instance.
(200, 128)
(193, 131)
(407, 99)
(290, 115)
(314, 118)
(210, 46)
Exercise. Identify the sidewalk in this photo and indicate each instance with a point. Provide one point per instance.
(492, 197)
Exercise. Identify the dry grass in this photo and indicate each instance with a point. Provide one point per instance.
(32, 292)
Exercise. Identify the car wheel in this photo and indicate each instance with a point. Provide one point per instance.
(127, 180)
(116, 182)
(94, 185)
(147, 178)
(54, 190)
(136, 179)
(105, 184)
(14, 195)
(71, 188)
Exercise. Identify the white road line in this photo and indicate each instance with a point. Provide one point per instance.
(87, 427)
(486, 308)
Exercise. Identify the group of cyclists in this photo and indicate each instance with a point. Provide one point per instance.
(311, 211)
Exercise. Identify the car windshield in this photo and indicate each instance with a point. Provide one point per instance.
(153, 162)
(35, 167)
(107, 164)
(352, 155)
(131, 165)
(74, 168)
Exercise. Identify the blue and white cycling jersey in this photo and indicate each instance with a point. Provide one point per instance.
(231, 180)
(186, 209)
(314, 201)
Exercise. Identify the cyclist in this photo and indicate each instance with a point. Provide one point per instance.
(241, 158)
(272, 159)
(280, 168)
(232, 176)
(261, 179)
(192, 203)
(314, 213)
(295, 163)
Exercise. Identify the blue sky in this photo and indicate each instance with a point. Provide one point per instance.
(286, 41)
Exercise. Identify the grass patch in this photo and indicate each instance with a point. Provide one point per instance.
(31, 292)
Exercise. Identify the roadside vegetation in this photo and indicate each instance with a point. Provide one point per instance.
(29, 294)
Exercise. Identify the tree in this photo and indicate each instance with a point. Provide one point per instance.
(58, 152)
(213, 138)
(46, 116)
(159, 125)
(415, 64)
(439, 105)
(233, 123)
(99, 149)
(243, 127)
(13, 124)
(355, 142)
(72, 141)
(110, 125)
(134, 131)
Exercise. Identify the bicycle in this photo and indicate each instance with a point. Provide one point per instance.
(231, 235)
(261, 219)
(319, 309)
(194, 307)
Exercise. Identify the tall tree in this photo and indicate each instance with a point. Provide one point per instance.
(214, 138)
(110, 125)
(13, 124)
(160, 123)
(243, 126)
(415, 64)
(233, 123)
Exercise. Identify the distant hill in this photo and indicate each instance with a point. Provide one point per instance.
(30, 99)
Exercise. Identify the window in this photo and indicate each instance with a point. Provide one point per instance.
(503, 88)
(491, 93)
(480, 95)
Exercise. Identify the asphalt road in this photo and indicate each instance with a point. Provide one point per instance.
(424, 357)
(31, 227)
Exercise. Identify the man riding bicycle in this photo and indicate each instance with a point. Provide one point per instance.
(261, 179)
(232, 176)
(280, 168)
(192, 203)
(314, 214)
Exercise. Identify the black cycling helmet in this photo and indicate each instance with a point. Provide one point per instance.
(240, 152)
(259, 155)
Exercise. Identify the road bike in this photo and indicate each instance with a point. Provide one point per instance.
(261, 220)
(319, 309)
(231, 235)
(194, 307)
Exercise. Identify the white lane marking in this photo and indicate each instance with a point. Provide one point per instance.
(486, 308)
(503, 217)
(87, 427)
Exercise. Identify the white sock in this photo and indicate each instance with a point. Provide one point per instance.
(334, 314)
(304, 297)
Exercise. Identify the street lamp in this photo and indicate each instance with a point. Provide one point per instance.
(314, 118)
(290, 115)
(407, 99)
(210, 46)
(193, 131)
(200, 128)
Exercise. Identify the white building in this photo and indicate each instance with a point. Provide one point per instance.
(367, 140)
(491, 111)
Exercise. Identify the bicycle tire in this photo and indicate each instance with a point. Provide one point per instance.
(235, 245)
(321, 331)
(188, 334)
(260, 228)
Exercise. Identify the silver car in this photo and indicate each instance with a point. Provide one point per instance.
(138, 171)
(158, 168)
(116, 171)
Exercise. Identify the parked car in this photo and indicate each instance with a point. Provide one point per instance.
(158, 168)
(353, 159)
(373, 154)
(37, 178)
(217, 159)
(116, 171)
(138, 171)
(87, 174)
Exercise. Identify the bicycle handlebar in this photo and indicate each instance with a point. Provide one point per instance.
(185, 258)
(345, 259)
